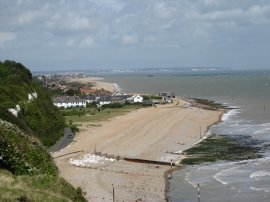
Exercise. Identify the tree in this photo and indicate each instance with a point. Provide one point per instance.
(71, 92)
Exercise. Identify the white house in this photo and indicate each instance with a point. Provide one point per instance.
(90, 98)
(69, 101)
(135, 99)
(104, 101)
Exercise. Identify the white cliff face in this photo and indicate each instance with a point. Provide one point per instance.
(15, 111)
(32, 96)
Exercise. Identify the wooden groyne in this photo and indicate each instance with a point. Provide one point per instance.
(135, 160)
(68, 154)
(149, 161)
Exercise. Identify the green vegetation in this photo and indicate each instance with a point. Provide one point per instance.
(113, 105)
(152, 97)
(15, 83)
(31, 175)
(21, 154)
(94, 114)
(39, 116)
(37, 188)
(218, 147)
(27, 172)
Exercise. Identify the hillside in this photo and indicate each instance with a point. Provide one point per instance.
(30, 104)
(28, 122)
(27, 172)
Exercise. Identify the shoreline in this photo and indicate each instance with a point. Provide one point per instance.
(99, 83)
(155, 150)
(172, 170)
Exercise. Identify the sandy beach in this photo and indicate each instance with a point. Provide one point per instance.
(151, 133)
(99, 83)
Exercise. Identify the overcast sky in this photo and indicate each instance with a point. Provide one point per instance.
(93, 34)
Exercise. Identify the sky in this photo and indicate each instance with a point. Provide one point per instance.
(102, 34)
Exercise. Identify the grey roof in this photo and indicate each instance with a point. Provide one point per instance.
(104, 98)
(67, 99)
(90, 97)
(122, 97)
(167, 94)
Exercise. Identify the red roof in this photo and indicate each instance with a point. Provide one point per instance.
(87, 90)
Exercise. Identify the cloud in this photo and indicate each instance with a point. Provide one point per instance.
(28, 17)
(162, 11)
(69, 22)
(111, 4)
(86, 42)
(237, 15)
(6, 37)
(70, 43)
(129, 40)
(81, 25)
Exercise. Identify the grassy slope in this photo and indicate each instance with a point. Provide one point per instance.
(39, 117)
(32, 175)
(91, 114)
(27, 172)
(36, 188)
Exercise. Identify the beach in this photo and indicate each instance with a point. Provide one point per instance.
(98, 81)
(153, 133)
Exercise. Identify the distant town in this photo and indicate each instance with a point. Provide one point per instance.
(68, 93)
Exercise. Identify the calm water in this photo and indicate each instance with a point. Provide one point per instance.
(244, 181)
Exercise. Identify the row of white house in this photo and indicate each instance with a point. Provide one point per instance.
(69, 101)
(74, 101)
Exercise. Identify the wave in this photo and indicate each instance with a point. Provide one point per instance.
(262, 131)
(260, 189)
(216, 177)
(257, 175)
(227, 116)
(189, 181)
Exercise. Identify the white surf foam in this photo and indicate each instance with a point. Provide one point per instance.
(257, 175)
(228, 173)
(217, 177)
(189, 181)
(262, 131)
(227, 116)
(260, 189)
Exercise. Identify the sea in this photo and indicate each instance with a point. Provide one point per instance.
(248, 93)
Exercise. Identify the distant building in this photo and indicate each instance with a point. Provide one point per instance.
(104, 100)
(135, 99)
(85, 90)
(148, 103)
(90, 98)
(120, 98)
(167, 94)
(69, 101)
